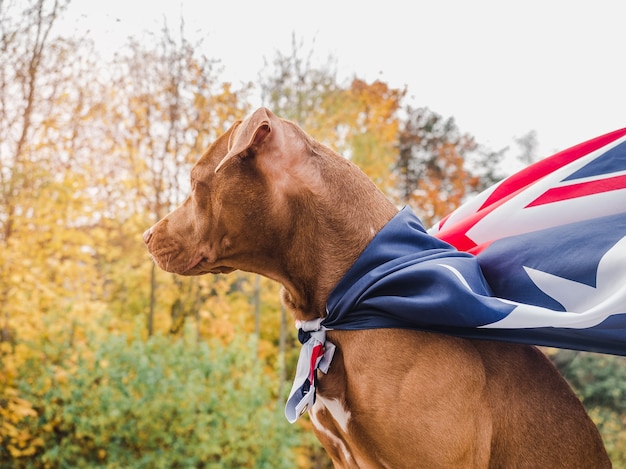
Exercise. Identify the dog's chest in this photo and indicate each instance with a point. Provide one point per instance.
(331, 420)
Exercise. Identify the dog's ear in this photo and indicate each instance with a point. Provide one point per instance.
(249, 133)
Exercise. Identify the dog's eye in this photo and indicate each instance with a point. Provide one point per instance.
(197, 185)
(194, 183)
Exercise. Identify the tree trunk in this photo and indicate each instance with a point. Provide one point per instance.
(152, 305)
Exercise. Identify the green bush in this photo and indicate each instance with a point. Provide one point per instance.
(158, 403)
(600, 382)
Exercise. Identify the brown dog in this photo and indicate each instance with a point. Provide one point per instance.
(267, 198)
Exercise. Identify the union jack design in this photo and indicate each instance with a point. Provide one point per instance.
(581, 183)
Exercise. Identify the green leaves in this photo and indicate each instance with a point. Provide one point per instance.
(600, 382)
(159, 403)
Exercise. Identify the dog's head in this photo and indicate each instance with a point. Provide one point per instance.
(237, 216)
(267, 198)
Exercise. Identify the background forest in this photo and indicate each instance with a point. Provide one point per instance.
(106, 361)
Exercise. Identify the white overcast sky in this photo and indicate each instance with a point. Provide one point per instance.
(500, 68)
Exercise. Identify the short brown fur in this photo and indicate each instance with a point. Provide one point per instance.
(267, 198)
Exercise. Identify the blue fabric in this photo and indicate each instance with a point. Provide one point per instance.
(409, 279)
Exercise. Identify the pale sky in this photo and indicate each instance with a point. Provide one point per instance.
(499, 68)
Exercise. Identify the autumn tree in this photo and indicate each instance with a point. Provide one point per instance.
(372, 135)
(46, 264)
(431, 167)
(166, 105)
(26, 93)
(357, 119)
(46, 204)
(298, 89)
(527, 145)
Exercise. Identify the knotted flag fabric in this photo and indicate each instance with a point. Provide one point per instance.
(316, 354)
(539, 258)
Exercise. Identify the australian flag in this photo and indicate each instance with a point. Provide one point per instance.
(538, 258)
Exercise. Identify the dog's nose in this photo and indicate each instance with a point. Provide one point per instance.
(147, 235)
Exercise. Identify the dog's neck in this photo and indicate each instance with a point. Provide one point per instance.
(332, 231)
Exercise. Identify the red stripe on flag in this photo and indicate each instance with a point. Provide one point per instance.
(316, 353)
(558, 194)
(458, 239)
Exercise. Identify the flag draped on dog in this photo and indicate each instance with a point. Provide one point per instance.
(539, 258)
